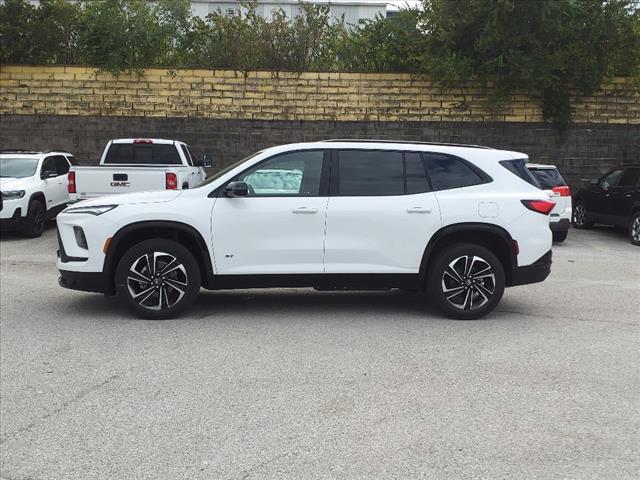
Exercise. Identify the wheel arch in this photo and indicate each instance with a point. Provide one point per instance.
(40, 196)
(493, 237)
(134, 233)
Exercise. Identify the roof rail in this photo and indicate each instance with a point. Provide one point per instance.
(410, 142)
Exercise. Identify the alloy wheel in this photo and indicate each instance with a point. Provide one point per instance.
(468, 282)
(579, 215)
(157, 281)
(635, 229)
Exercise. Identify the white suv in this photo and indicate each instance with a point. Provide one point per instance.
(34, 188)
(458, 222)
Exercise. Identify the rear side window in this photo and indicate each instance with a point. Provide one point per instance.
(143, 154)
(630, 177)
(62, 166)
(519, 168)
(548, 178)
(448, 172)
(380, 173)
(187, 155)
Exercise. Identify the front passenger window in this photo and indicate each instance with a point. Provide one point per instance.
(290, 174)
(611, 179)
(48, 167)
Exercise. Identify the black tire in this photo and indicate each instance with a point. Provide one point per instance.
(634, 229)
(579, 217)
(35, 219)
(560, 237)
(164, 295)
(488, 287)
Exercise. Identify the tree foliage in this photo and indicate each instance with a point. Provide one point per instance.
(550, 49)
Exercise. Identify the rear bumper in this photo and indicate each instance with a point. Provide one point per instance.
(84, 281)
(561, 225)
(534, 273)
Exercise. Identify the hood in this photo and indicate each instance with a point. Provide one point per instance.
(161, 196)
(7, 184)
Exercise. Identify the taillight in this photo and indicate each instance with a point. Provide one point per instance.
(71, 186)
(540, 206)
(563, 191)
(172, 181)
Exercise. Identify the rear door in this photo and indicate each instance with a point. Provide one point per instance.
(381, 212)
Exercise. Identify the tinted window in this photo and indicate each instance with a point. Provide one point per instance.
(548, 177)
(290, 174)
(187, 155)
(450, 172)
(611, 179)
(415, 174)
(630, 177)
(143, 154)
(62, 166)
(47, 166)
(519, 168)
(370, 173)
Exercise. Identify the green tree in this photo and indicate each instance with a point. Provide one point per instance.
(16, 40)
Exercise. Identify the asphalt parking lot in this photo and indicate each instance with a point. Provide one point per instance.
(302, 384)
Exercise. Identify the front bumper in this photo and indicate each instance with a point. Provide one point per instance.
(14, 222)
(534, 273)
(84, 281)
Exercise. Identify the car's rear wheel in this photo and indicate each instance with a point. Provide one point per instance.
(634, 229)
(560, 236)
(465, 281)
(580, 216)
(158, 278)
(35, 220)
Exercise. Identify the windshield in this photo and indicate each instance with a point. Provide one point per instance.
(18, 167)
(227, 169)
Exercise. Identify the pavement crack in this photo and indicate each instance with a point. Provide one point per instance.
(79, 396)
(567, 318)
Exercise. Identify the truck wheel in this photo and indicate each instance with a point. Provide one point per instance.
(634, 229)
(465, 281)
(158, 278)
(560, 237)
(35, 220)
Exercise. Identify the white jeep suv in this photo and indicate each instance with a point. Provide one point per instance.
(459, 222)
(34, 188)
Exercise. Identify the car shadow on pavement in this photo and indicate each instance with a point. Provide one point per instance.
(16, 235)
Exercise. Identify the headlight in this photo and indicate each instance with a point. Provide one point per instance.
(97, 210)
(13, 195)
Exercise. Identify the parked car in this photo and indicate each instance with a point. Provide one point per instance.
(137, 165)
(34, 188)
(613, 199)
(459, 222)
(551, 181)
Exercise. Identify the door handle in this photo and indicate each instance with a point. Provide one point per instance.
(628, 195)
(418, 210)
(305, 210)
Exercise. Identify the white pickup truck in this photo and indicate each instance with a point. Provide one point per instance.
(138, 165)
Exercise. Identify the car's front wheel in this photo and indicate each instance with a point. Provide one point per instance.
(580, 216)
(634, 229)
(465, 281)
(158, 278)
(35, 220)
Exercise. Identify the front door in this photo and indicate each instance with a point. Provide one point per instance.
(381, 212)
(622, 195)
(279, 226)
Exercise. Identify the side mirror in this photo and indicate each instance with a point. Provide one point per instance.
(48, 174)
(594, 181)
(207, 160)
(236, 189)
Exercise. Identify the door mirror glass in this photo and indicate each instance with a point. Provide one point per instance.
(236, 189)
(207, 160)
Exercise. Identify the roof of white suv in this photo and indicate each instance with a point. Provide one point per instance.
(22, 153)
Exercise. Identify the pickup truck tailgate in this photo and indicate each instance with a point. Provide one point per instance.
(94, 182)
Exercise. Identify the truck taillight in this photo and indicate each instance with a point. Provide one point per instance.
(172, 181)
(71, 186)
(540, 206)
(563, 191)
